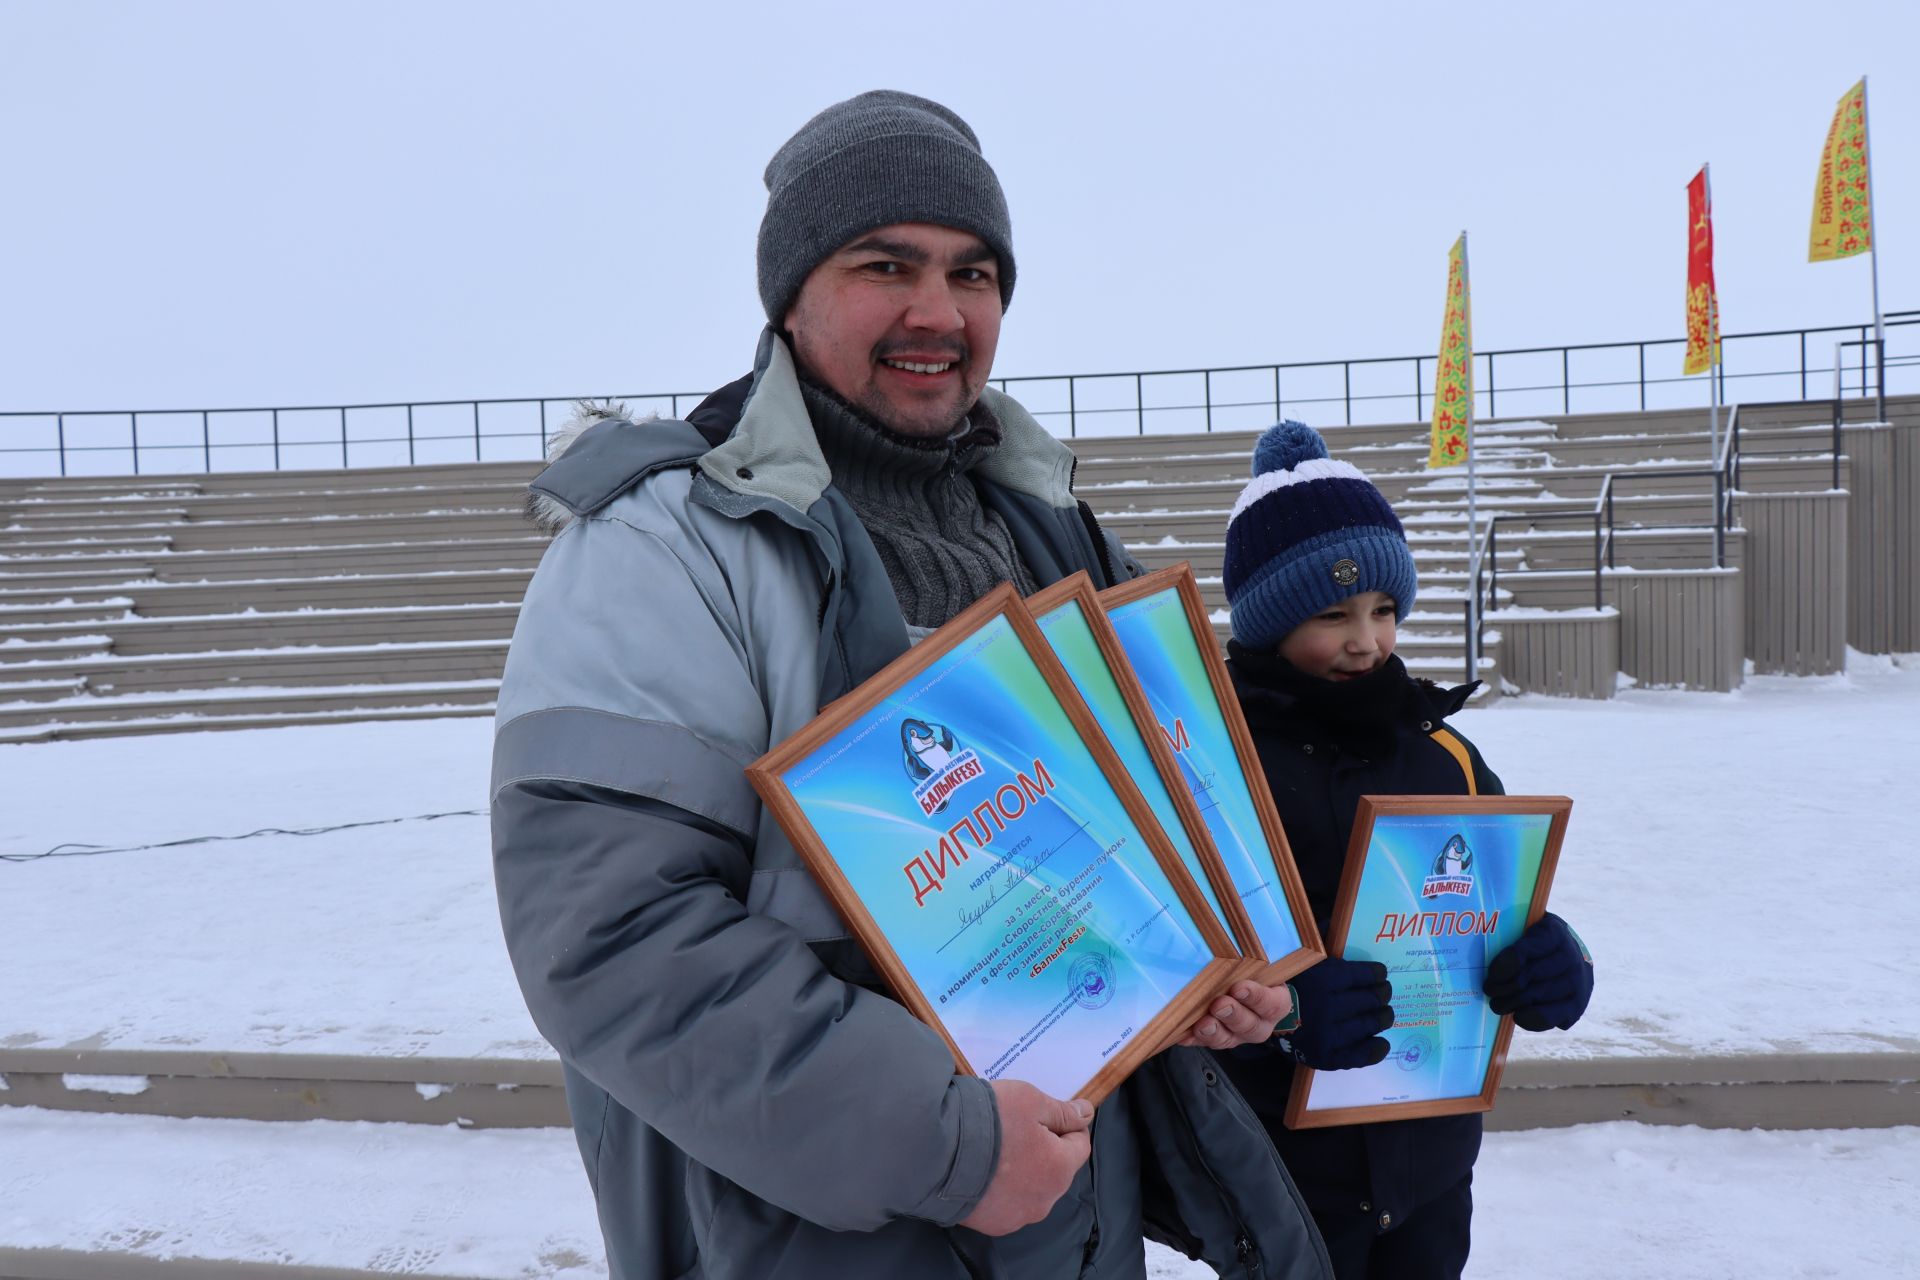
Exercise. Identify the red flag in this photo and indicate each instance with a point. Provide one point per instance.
(1703, 301)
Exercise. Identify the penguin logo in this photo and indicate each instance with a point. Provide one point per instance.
(1452, 870)
(1455, 859)
(936, 763)
(925, 748)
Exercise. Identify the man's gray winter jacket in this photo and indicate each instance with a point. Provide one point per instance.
(747, 1103)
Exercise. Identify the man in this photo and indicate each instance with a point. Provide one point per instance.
(747, 1101)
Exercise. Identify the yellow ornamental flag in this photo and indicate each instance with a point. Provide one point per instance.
(1842, 200)
(1453, 375)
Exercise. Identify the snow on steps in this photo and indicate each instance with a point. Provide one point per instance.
(155, 599)
(519, 550)
(324, 557)
(251, 630)
(67, 714)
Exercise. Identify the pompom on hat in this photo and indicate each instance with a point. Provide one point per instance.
(1307, 533)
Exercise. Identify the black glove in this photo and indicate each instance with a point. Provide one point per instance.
(1343, 1009)
(1545, 979)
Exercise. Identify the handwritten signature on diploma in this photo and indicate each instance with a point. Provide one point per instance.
(1018, 869)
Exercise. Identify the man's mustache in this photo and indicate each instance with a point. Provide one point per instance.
(946, 348)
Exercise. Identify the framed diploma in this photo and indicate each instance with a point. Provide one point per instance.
(1434, 888)
(984, 843)
(1164, 631)
(1077, 628)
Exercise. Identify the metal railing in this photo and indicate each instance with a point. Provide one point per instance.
(1725, 474)
(1375, 389)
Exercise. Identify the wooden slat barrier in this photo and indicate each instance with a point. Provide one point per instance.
(1883, 539)
(1796, 581)
(1575, 652)
(1684, 629)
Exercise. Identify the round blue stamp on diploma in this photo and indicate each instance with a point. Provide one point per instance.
(1091, 980)
(1415, 1052)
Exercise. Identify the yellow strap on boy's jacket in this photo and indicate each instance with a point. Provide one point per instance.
(1458, 750)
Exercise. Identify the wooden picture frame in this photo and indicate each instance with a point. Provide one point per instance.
(1074, 880)
(1172, 799)
(1241, 814)
(1448, 1050)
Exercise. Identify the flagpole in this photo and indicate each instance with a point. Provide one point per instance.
(1873, 257)
(1713, 335)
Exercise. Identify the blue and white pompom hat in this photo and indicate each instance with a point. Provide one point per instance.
(1307, 533)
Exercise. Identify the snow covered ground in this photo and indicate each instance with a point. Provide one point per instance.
(1704, 827)
(1736, 862)
(1600, 1202)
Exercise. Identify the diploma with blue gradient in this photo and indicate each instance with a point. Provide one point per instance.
(1169, 643)
(984, 842)
(1434, 888)
(1077, 629)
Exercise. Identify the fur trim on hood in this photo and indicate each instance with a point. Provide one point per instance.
(547, 515)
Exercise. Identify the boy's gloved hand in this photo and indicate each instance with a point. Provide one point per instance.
(1545, 979)
(1343, 1010)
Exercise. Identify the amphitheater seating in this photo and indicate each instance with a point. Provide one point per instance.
(156, 604)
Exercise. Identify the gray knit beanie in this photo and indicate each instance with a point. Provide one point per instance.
(871, 161)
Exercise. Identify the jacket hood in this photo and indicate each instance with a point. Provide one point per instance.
(772, 453)
(547, 512)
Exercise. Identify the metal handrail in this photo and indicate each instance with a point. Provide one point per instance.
(1486, 587)
(1078, 406)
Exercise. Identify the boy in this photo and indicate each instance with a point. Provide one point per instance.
(1318, 574)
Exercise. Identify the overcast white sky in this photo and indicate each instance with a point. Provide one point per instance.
(250, 203)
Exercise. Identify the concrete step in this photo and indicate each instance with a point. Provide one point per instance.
(1216, 495)
(1441, 523)
(179, 599)
(1550, 589)
(335, 479)
(1408, 437)
(95, 488)
(1236, 468)
(303, 480)
(130, 636)
(309, 531)
(1207, 558)
(1565, 440)
(197, 722)
(1428, 522)
(71, 714)
(76, 542)
(435, 663)
(12, 691)
(29, 516)
(522, 549)
(272, 505)
(1636, 548)
(1651, 510)
(1440, 596)
(61, 610)
(17, 654)
(57, 574)
(1566, 588)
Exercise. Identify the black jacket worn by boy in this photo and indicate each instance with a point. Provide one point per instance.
(1322, 746)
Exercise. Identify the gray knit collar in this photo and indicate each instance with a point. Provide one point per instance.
(867, 454)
